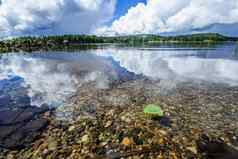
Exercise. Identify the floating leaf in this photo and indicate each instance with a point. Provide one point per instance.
(153, 110)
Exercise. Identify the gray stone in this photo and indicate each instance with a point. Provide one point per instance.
(19, 127)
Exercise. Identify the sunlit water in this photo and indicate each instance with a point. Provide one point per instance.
(52, 77)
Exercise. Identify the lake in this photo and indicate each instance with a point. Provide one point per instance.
(196, 87)
(51, 77)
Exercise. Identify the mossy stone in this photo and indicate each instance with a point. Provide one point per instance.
(153, 110)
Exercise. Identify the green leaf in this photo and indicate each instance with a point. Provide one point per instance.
(153, 110)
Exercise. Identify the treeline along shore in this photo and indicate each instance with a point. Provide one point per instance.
(72, 41)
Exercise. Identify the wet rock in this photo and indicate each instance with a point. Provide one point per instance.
(14, 117)
(88, 110)
(71, 128)
(192, 149)
(10, 156)
(22, 101)
(126, 118)
(35, 125)
(216, 149)
(38, 110)
(19, 127)
(21, 135)
(165, 121)
(10, 117)
(108, 124)
(85, 139)
(52, 144)
(162, 132)
(5, 100)
(111, 154)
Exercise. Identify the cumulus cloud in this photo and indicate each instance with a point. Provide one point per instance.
(53, 16)
(163, 16)
(27, 17)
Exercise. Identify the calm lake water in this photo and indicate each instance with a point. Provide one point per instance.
(52, 77)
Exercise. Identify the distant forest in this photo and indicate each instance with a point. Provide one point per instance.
(64, 41)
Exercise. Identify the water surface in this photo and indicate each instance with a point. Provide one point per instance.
(53, 77)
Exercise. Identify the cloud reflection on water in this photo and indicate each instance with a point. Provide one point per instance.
(53, 80)
(53, 77)
(179, 65)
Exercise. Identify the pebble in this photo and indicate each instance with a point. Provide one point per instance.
(192, 149)
(162, 132)
(126, 141)
(85, 139)
(71, 128)
(126, 119)
(10, 156)
(52, 144)
(108, 124)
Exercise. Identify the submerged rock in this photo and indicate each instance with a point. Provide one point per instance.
(126, 141)
(4, 100)
(216, 149)
(19, 127)
(153, 110)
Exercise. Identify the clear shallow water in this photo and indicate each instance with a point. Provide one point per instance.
(52, 77)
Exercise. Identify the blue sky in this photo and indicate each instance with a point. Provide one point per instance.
(117, 17)
(124, 5)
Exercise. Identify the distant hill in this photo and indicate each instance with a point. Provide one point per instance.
(193, 38)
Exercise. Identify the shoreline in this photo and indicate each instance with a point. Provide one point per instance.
(62, 42)
(91, 46)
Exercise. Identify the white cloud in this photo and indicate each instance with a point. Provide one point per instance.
(88, 16)
(53, 16)
(163, 16)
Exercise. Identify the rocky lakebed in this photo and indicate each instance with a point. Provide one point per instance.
(200, 121)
